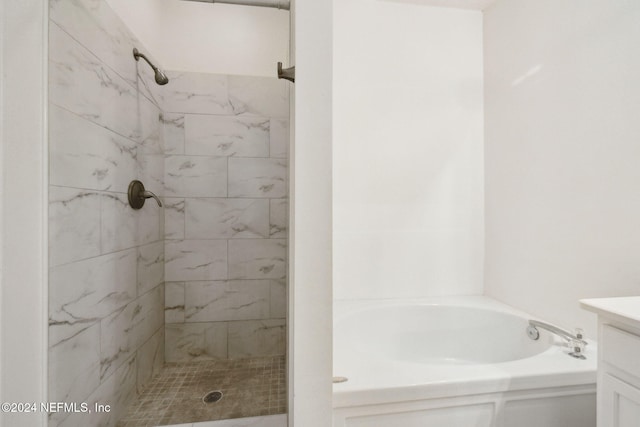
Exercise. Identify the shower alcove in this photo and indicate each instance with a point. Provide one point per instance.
(152, 308)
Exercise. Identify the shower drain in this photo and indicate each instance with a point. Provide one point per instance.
(212, 396)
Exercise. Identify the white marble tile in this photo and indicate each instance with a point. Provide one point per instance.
(262, 96)
(226, 218)
(195, 176)
(151, 172)
(101, 31)
(124, 227)
(278, 297)
(226, 135)
(74, 224)
(149, 129)
(150, 266)
(153, 142)
(145, 77)
(81, 83)
(251, 338)
(278, 218)
(118, 391)
(174, 302)
(150, 358)
(149, 222)
(196, 93)
(174, 218)
(83, 292)
(119, 223)
(195, 260)
(123, 332)
(279, 138)
(226, 300)
(257, 259)
(173, 133)
(94, 24)
(74, 366)
(255, 177)
(195, 341)
(86, 155)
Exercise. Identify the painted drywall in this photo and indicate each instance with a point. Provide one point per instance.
(23, 291)
(562, 177)
(310, 294)
(407, 156)
(209, 38)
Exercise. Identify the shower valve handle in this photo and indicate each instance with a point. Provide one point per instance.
(137, 195)
(148, 194)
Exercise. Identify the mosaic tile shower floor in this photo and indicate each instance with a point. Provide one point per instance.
(250, 387)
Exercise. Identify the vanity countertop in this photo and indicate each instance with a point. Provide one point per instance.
(621, 308)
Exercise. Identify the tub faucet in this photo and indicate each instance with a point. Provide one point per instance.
(576, 342)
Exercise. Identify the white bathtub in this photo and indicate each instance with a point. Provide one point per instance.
(454, 362)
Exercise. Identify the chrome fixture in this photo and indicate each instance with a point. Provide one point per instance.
(161, 78)
(575, 342)
(287, 73)
(277, 4)
(138, 195)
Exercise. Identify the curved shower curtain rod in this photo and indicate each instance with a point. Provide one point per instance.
(277, 4)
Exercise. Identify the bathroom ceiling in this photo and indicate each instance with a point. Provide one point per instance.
(459, 4)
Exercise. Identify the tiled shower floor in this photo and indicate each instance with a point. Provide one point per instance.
(250, 387)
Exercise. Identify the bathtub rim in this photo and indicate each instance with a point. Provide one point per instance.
(556, 368)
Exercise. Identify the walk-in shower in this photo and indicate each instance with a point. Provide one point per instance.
(173, 311)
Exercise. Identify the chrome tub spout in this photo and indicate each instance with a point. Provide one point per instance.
(575, 341)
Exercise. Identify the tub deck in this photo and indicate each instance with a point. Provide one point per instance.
(374, 380)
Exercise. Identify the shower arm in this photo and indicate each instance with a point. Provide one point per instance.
(277, 4)
(137, 54)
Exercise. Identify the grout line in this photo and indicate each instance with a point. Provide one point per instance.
(227, 177)
(184, 218)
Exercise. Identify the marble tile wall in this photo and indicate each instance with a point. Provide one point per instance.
(106, 280)
(215, 148)
(226, 173)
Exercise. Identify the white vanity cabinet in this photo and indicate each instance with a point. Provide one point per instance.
(618, 360)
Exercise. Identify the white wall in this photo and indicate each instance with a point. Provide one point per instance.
(408, 185)
(23, 298)
(209, 38)
(310, 293)
(562, 154)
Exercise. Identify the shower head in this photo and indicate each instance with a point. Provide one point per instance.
(161, 78)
